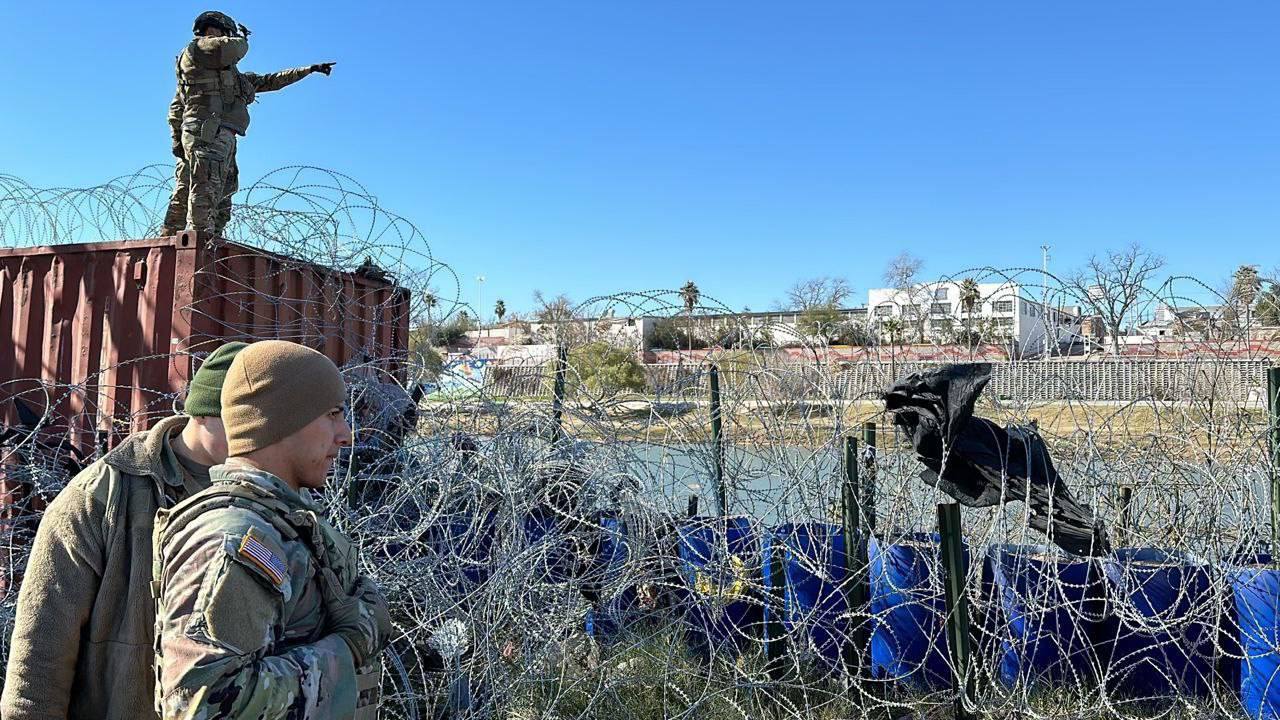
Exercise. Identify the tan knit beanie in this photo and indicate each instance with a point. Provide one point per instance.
(273, 389)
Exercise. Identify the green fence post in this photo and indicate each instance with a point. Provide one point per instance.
(868, 496)
(857, 565)
(954, 565)
(1273, 435)
(1126, 514)
(717, 442)
(557, 393)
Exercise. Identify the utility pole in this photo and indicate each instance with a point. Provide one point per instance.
(480, 301)
(1044, 298)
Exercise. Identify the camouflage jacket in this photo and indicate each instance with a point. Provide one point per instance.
(212, 92)
(83, 627)
(240, 621)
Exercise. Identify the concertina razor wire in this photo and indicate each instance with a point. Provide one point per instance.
(541, 558)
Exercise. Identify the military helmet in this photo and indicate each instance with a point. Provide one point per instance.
(216, 19)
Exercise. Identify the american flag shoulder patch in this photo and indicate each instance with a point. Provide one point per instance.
(261, 557)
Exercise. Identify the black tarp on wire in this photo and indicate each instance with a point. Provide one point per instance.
(982, 464)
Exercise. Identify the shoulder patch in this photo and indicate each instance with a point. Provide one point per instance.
(262, 557)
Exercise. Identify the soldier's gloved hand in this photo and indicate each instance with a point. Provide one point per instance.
(325, 68)
(177, 149)
(244, 31)
(361, 618)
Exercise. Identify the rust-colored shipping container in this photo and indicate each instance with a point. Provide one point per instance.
(103, 337)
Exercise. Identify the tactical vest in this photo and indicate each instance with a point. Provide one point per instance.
(292, 524)
(218, 98)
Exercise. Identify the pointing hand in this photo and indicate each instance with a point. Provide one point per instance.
(325, 68)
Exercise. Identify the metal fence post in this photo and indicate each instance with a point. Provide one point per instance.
(717, 442)
(557, 393)
(868, 496)
(955, 567)
(856, 653)
(693, 506)
(1273, 436)
(1126, 513)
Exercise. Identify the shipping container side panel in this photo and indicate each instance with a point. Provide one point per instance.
(8, 308)
(62, 293)
(26, 335)
(112, 328)
(82, 362)
(120, 349)
(184, 267)
(151, 374)
(290, 305)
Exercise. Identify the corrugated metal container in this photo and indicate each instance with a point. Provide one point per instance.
(103, 337)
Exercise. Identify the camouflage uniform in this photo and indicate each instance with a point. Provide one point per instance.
(241, 624)
(209, 110)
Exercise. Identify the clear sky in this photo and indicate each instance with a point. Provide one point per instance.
(592, 147)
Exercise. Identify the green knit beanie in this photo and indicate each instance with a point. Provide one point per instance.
(204, 394)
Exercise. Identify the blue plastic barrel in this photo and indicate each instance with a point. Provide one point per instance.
(1163, 618)
(908, 603)
(719, 562)
(1255, 589)
(617, 606)
(554, 545)
(1050, 607)
(813, 562)
(461, 547)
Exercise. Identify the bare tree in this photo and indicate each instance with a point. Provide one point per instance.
(1111, 286)
(901, 274)
(561, 315)
(829, 292)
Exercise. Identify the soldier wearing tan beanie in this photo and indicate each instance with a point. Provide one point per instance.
(267, 569)
(273, 389)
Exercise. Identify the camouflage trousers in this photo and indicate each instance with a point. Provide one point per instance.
(204, 180)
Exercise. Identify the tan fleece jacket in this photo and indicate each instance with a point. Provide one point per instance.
(82, 638)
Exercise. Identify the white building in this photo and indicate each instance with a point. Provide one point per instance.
(1003, 313)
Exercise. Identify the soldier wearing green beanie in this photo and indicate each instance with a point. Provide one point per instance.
(287, 624)
(83, 633)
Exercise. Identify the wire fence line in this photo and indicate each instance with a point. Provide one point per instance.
(1094, 380)
(543, 560)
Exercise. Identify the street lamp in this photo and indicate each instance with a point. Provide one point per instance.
(480, 300)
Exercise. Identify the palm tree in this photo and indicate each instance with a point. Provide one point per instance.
(1246, 287)
(430, 300)
(969, 297)
(690, 294)
(500, 310)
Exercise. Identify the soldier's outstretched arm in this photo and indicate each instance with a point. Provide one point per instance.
(61, 583)
(216, 622)
(277, 80)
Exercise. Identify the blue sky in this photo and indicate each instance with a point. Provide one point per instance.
(589, 148)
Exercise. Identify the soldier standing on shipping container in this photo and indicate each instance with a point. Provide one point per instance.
(83, 635)
(209, 109)
(260, 609)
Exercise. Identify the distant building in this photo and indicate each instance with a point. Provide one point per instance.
(775, 328)
(1194, 322)
(1003, 314)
